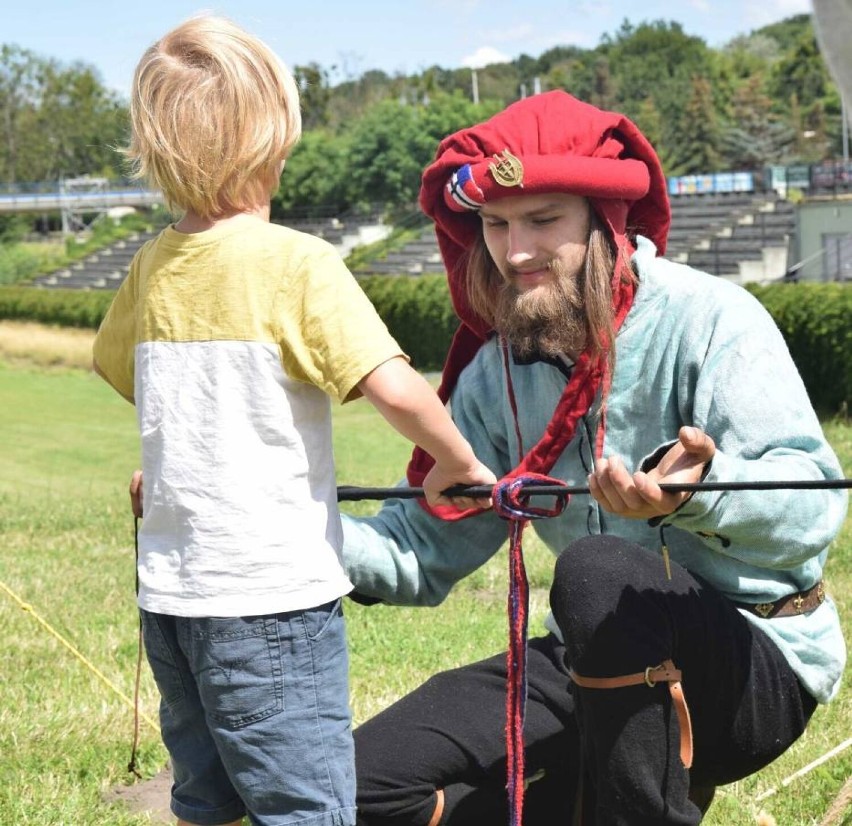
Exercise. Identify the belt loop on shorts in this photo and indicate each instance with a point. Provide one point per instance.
(665, 672)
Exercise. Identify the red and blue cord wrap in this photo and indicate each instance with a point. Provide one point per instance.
(512, 504)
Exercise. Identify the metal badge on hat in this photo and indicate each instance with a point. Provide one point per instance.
(508, 171)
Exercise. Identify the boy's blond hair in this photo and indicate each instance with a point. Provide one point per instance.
(214, 113)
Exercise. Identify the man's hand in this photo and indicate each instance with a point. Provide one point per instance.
(639, 496)
(136, 493)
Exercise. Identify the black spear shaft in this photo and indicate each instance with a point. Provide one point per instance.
(351, 493)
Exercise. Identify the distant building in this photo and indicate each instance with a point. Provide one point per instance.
(823, 242)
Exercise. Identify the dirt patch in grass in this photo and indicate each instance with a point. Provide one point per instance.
(149, 797)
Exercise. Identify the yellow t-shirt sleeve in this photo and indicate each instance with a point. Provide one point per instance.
(331, 335)
(114, 347)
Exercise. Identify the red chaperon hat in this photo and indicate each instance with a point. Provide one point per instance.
(550, 142)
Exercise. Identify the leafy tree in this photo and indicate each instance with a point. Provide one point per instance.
(392, 144)
(787, 32)
(650, 122)
(558, 56)
(561, 76)
(802, 70)
(603, 85)
(584, 75)
(813, 138)
(314, 93)
(13, 228)
(314, 177)
(757, 136)
(832, 108)
(19, 73)
(526, 69)
(349, 100)
(751, 54)
(449, 81)
(446, 114)
(55, 120)
(698, 149)
(500, 81)
(82, 122)
(386, 154)
(656, 58)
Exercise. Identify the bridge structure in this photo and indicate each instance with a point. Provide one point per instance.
(81, 201)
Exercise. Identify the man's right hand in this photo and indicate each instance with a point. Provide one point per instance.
(638, 495)
(136, 493)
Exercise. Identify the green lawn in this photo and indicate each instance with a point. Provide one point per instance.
(69, 445)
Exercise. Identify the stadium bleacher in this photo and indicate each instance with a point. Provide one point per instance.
(740, 236)
(723, 234)
(106, 269)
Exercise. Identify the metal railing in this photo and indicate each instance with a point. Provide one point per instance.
(77, 194)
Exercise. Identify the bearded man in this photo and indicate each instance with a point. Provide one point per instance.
(690, 637)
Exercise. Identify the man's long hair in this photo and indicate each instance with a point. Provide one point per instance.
(484, 285)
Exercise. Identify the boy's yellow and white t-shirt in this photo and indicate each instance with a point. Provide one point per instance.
(231, 342)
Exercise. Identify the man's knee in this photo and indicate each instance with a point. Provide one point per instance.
(588, 579)
(591, 555)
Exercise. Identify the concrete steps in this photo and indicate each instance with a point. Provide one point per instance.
(102, 270)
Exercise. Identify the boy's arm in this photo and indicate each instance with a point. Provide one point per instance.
(410, 405)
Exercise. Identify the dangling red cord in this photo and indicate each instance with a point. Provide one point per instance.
(511, 503)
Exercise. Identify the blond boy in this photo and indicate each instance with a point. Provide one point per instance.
(230, 334)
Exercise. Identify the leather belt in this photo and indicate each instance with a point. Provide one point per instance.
(802, 603)
(663, 673)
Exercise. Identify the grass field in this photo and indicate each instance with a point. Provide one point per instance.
(69, 445)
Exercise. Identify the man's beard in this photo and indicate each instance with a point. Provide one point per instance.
(548, 320)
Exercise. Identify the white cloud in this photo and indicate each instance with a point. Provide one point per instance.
(700, 5)
(484, 56)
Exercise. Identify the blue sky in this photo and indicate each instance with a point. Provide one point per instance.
(356, 35)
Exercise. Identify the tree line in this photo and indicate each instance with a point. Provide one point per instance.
(763, 98)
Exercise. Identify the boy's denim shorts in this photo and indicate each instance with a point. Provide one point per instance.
(255, 716)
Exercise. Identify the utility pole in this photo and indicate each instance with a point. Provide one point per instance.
(474, 85)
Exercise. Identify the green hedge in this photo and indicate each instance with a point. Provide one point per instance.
(815, 319)
(67, 308)
(418, 313)
(816, 322)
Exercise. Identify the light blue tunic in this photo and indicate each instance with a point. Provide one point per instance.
(694, 350)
